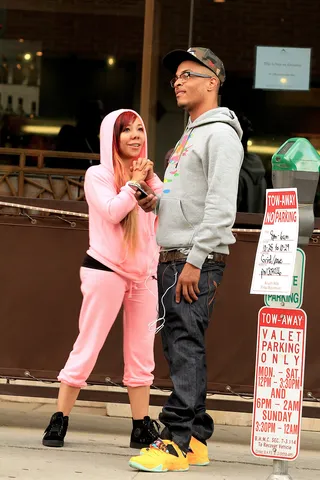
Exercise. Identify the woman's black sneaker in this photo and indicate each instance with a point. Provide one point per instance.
(56, 431)
(144, 432)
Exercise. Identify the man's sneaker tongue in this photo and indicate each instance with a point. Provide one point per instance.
(160, 445)
(166, 448)
(172, 450)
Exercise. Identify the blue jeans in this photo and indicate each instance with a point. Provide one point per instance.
(183, 338)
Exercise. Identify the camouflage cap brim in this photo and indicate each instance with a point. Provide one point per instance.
(199, 55)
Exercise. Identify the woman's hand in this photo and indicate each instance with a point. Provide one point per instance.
(139, 175)
(150, 171)
(142, 169)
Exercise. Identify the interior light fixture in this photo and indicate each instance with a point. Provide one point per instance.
(27, 56)
(219, 1)
(39, 54)
(21, 40)
(41, 129)
(111, 61)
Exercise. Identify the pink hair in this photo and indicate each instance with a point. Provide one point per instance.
(130, 222)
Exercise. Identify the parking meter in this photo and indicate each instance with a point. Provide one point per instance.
(297, 164)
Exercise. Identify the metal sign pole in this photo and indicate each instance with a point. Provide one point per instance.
(280, 471)
(281, 467)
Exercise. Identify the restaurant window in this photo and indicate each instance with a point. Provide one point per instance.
(63, 66)
(233, 29)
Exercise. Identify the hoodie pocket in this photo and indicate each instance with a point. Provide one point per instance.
(174, 230)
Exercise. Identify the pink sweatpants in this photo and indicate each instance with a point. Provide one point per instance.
(103, 294)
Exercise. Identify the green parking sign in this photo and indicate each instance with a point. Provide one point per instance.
(295, 298)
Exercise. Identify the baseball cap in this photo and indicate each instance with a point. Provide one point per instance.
(201, 55)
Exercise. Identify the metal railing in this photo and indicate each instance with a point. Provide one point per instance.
(26, 174)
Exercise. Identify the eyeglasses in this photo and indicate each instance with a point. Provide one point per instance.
(185, 75)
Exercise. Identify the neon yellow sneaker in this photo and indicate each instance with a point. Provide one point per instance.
(198, 454)
(161, 456)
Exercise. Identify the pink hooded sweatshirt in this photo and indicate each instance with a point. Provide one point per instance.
(107, 209)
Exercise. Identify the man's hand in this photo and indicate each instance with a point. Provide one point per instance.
(148, 204)
(188, 283)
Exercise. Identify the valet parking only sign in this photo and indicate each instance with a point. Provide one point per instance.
(277, 247)
(279, 379)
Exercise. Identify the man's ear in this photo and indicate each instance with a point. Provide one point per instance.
(213, 84)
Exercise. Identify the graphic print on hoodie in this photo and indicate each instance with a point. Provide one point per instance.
(180, 150)
(107, 209)
(197, 208)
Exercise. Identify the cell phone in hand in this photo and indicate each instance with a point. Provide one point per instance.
(143, 193)
(138, 188)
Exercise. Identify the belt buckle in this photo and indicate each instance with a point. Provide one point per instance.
(175, 255)
(164, 254)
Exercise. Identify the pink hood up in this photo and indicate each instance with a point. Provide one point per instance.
(107, 209)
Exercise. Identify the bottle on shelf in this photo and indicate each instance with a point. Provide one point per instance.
(1, 107)
(33, 75)
(20, 110)
(17, 73)
(33, 113)
(4, 70)
(6, 135)
(8, 140)
(9, 109)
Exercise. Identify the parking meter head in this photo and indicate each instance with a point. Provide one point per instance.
(296, 164)
(296, 154)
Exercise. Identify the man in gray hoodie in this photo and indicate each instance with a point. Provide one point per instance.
(196, 213)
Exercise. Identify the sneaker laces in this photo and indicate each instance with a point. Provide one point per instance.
(158, 447)
(153, 428)
(54, 427)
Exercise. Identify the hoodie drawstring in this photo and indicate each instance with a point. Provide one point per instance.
(130, 290)
(132, 286)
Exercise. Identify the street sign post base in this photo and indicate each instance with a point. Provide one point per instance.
(277, 476)
(280, 471)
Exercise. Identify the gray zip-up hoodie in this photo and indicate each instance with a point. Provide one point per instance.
(198, 205)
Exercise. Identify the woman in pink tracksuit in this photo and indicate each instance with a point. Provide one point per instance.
(119, 268)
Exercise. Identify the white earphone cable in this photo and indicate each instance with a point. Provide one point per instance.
(163, 318)
(153, 325)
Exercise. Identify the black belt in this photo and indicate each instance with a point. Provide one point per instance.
(176, 255)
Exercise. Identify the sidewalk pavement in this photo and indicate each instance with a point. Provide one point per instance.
(97, 448)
